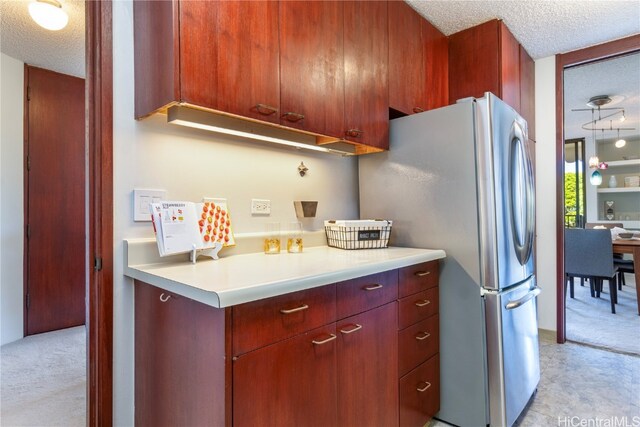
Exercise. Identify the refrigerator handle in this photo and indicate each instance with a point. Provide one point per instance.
(522, 196)
(517, 303)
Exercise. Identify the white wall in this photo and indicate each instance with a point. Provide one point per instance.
(545, 94)
(11, 198)
(189, 164)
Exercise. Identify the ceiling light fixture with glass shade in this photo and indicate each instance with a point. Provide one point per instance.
(596, 103)
(48, 14)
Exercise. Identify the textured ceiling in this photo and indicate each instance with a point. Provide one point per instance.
(620, 79)
(543, 27)
(23, 39)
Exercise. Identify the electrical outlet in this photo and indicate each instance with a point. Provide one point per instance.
(260, 207)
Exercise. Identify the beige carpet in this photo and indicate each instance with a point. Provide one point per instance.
(43, 380)
(590, 321)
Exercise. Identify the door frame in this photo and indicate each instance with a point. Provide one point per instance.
(567, 60)
(99, 219)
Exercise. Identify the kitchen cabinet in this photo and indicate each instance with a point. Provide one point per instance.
(182, 55)
(366, 73)
(312, 66)
(488, 58)
(419, 344)
(290, 383)
(367, 357)
(323, 356)
(418, 62)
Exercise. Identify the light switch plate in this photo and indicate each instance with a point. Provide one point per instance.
(142, 198)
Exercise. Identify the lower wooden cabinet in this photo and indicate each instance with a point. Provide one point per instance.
(290, 383)
(198, 365)
(367, 360)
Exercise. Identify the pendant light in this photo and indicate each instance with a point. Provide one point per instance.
(48, 14)
(596, 178)
(620, 142)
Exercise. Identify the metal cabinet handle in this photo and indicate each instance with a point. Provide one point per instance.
(163, 298)
(294, 310)
(354, 133)
(292, 117)
(424, 336)
(373, 287)
(355, 327)
(423, 389)
(324, 341)
(266, 110)
(422, 303)
(422, 273)
(418, 110)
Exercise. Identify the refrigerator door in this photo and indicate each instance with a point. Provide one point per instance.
(512, 351)
(505, 194)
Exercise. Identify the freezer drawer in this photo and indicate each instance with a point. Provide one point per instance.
(512, 351)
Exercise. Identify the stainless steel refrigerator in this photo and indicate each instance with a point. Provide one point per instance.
(459, 178)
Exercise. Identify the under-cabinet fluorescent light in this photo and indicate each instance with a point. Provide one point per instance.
(198, 119)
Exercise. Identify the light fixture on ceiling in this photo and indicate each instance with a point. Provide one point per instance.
(199, 119)
(596, 178)
(620, 142)
(48, 14)
(623, 118)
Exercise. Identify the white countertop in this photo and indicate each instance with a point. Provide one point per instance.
(249, 277)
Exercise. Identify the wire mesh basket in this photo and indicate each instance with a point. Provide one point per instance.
(358, 234)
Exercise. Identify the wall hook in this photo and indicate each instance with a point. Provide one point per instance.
(302, 169)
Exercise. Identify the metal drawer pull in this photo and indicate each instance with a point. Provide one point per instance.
(424, 336)
(423, 389)
(418, 110)
(294, 310)
(423, 303)
(163, 298)
(354, 133)
(324, 341)
(266, 110)
(372, 287)
(355, 327)
(422, 273)
(292, 117)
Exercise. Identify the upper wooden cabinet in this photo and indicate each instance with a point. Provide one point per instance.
(366, 98)
(406, 64)
(418, 62)
(312, 66)
(487, 58)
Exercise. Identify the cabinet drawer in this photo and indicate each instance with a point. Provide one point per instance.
(417, 307)
(417, 343)
(419, 277)
(364, 293)
(420, 393)
(258, 323)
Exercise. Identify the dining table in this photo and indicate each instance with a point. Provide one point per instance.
(630, 246)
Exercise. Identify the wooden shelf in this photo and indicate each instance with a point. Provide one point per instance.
(619, 190)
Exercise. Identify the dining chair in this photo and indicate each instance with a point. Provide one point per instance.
(624, 266)
(589, 254)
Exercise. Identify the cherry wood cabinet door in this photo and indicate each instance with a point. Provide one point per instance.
(366, 98)
(436, 62)
(527, 92)
(182, 367)
(474, 56)
(406, 62)
(248, 59)
(367, 368)
(198, 52)
(312, 66)
(291, 383)
(509, 67)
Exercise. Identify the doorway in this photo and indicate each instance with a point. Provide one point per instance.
(566, 61)
(54, 208)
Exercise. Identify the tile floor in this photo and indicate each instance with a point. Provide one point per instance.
(582, 386)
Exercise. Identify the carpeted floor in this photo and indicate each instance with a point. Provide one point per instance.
(43, 380)
(590, 321)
